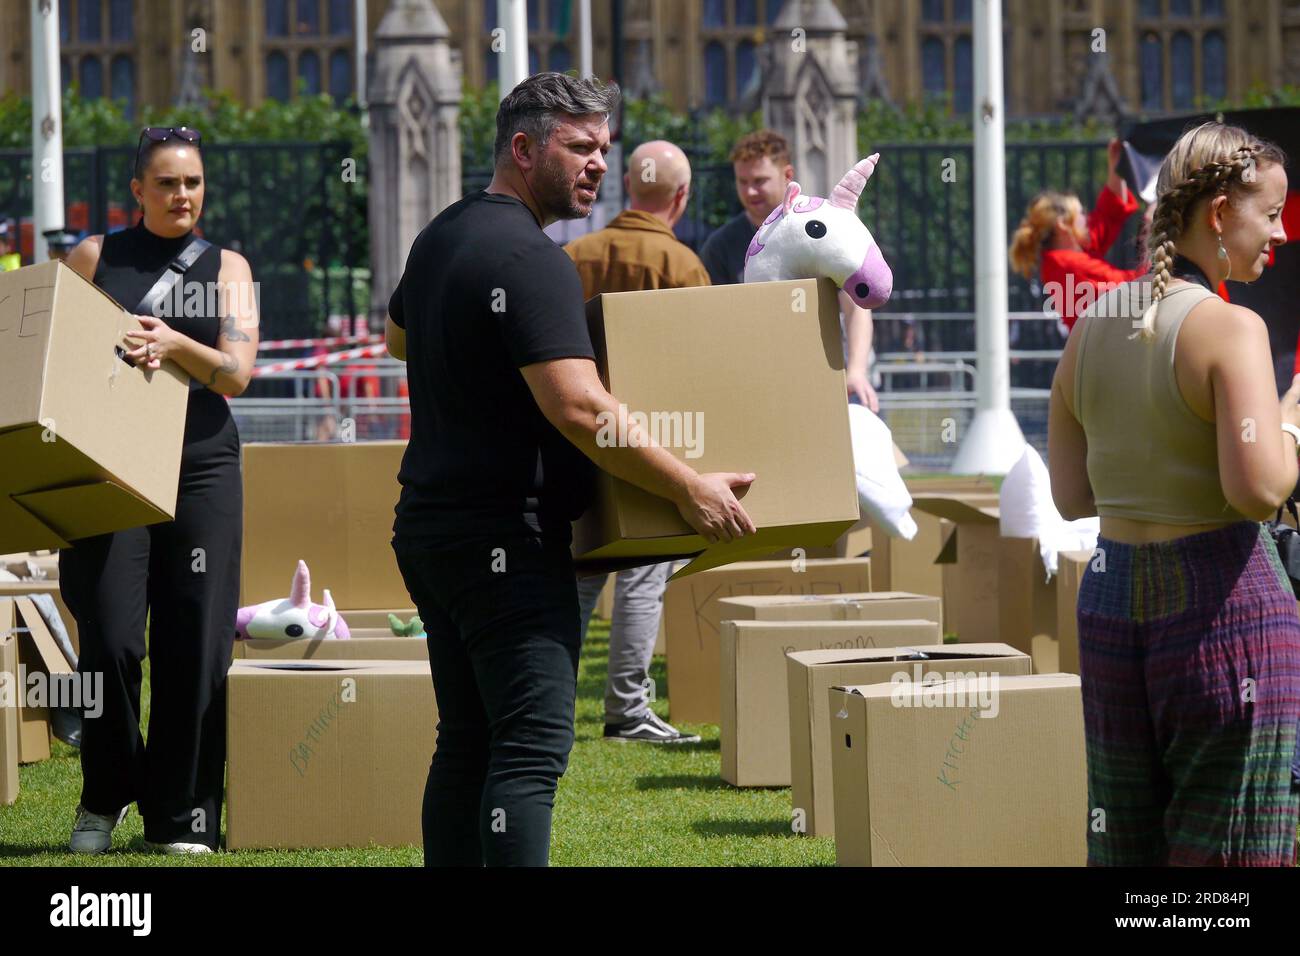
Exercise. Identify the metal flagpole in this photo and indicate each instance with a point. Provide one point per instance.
(512, 16)
(47, 126)
(993, 442)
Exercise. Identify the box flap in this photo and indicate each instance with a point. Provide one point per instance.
(86, 510)
(958, 508)
(937, 653)
(41, 637)
(19, 528)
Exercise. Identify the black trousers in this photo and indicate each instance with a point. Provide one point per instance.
(184, 575)
(504, 639)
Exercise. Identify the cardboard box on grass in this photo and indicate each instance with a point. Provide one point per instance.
(969, 565)
(365, 643)
(755, 729)
(37, 653)
(90, 444)
(327, 754)
(1070, 566)
(9, 690)
(692, 619)
(810, 674)
(329, 504)
(706, 355)
(919, 785)
(902, 565)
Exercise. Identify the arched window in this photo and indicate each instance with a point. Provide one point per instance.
(1182, 70)
(933, 80)
(65, 25)
(277, 18)
(121, 29)
(490, 15)
(961, 11)
(308, 23)
(89, 21)
(746, 15)
(277, 76)
(1214, 65)
(932, 11)
(65, 71)
(559, 58)
(340, 17)
(1180, 8)
(746, 65)
(1149, 8)
(121, 80)
(491, 65)
(534, 59)
(1211, 8)
(963, 75)
(1153, 69)
(340, 75)
(534, 20)
(309, 71)
(715, 13)
(90, 76)
(715, 74)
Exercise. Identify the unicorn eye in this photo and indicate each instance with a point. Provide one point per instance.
(815, 228)
(294, 630)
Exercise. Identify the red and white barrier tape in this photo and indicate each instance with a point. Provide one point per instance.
(280, 344)
(368, 351)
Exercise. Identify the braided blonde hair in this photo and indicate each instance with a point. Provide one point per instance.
(1208, 160)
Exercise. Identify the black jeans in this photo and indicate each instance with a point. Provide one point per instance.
(501, 616)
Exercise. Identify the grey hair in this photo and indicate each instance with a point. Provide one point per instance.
(538, 103)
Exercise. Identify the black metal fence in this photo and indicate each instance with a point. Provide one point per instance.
(289, 208)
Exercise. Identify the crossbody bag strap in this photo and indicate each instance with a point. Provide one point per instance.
(172, 274)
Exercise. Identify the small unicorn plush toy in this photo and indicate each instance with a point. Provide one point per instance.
(294, 616)
(807, 237)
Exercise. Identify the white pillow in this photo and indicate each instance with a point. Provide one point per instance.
(882, 495)
(1028, 511)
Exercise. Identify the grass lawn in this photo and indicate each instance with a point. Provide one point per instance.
(618, 805)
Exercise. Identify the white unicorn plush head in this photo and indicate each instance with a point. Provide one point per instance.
(294, 616)
(807, 237)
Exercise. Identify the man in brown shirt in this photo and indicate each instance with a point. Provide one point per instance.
(637, 251)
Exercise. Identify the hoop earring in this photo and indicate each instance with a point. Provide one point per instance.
(1223, 254)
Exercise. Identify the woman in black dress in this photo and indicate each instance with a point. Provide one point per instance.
(182, 574)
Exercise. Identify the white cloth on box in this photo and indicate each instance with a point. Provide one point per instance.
(882, 495)
(1028, 511)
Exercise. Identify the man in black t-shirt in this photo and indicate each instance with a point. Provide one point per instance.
(505, 399)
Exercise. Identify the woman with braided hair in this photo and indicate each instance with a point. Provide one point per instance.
(1164, 421)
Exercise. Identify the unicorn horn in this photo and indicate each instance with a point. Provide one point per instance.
(847, 190)
(300, 592)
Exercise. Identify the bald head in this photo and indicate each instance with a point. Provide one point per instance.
(655, 172)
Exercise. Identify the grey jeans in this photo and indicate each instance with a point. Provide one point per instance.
(638, 602)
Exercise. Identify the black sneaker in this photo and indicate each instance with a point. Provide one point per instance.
(650, 729)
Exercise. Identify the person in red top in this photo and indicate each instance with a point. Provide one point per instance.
(1065, 247)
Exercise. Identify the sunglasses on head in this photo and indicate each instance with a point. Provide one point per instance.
(160, 134)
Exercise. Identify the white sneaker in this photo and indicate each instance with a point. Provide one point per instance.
(179, 849)
(93, 832)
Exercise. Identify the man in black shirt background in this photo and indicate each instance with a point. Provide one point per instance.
(505, 399)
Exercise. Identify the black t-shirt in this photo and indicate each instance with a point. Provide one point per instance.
(486, 292)
(724, 251)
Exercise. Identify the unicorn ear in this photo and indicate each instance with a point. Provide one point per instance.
(300, 592)
(329, 601)
(791, 194)
(849, 188)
